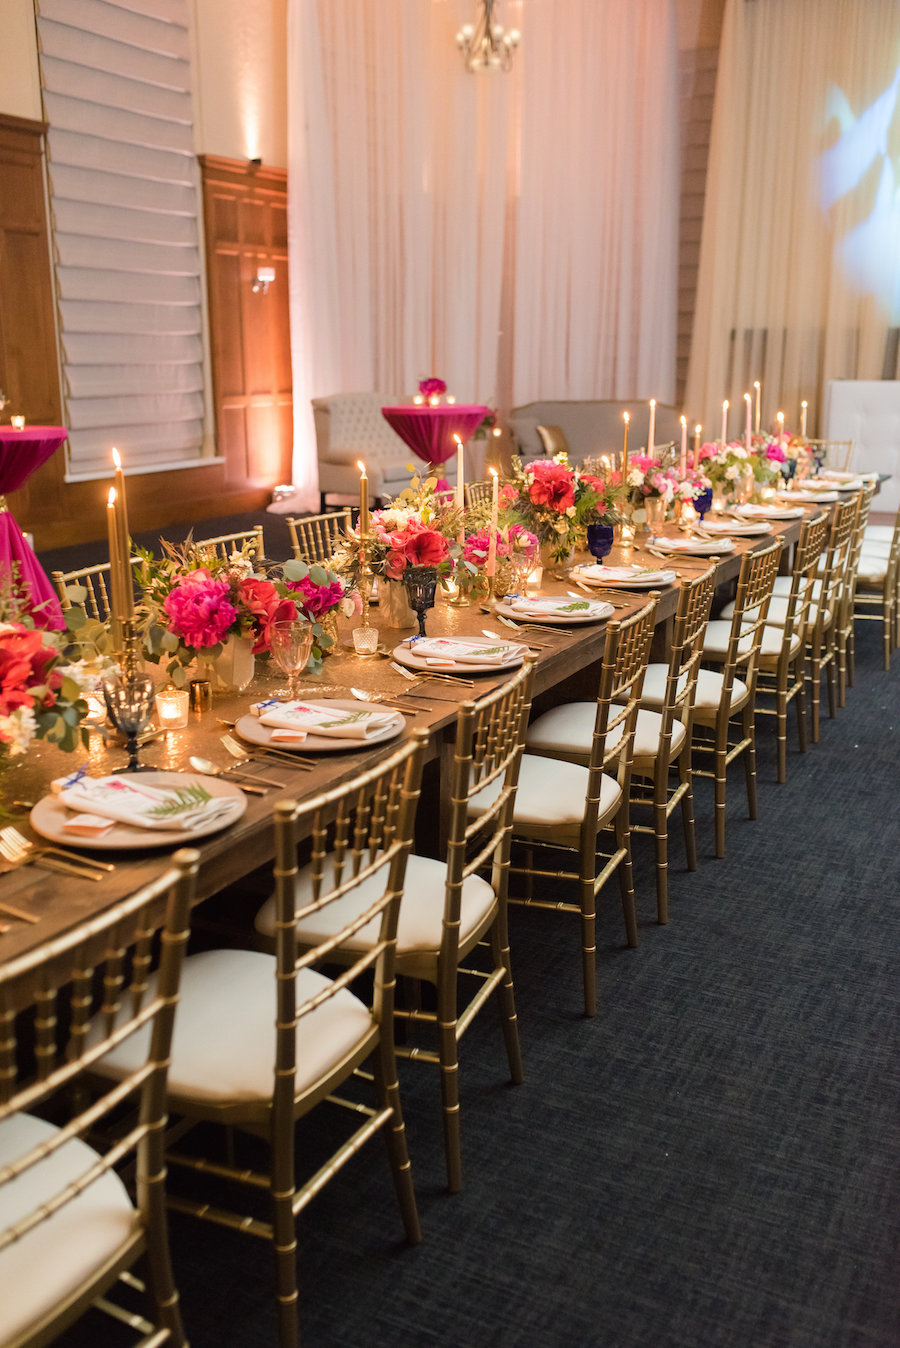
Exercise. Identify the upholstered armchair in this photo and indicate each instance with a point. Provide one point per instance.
(349, 426)
(590, 427)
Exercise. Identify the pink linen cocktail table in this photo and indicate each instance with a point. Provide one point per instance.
(429, 431)
(21, 454)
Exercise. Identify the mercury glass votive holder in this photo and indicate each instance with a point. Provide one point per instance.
(17, 423)
(365, 641)
(172, 708)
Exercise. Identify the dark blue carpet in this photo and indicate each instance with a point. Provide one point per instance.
(711, 1161)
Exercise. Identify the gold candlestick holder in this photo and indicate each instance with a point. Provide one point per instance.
(365, 638)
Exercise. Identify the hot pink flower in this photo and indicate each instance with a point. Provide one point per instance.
(522, 540)
(775, 453)
(477, 545)
(199, 610)
(432, 387)
(315, 599)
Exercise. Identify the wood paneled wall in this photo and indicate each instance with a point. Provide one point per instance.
(245, 227)
(245, 214)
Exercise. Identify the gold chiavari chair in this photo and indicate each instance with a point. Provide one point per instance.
(844, 636)
(834, 454)
(94, 580)
(477, 494)
(876, 596)
(821, 644)
(566, 807)
(224, 544)
(262, 1040)
(722, 697)
(68, 1226)
(662, 739)
(315, 537)
(448, 909)
(782, 653)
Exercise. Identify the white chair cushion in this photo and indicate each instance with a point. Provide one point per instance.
(709, 688)
(223, 1048)
(570, 728)
(878, 533)
(550, 792)
(715, 642)
(421, 910)
(781, 588)
(872, 548)
(778, 612)
(61, 1254)
(872, 571)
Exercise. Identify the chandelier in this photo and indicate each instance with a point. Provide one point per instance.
(486, 46)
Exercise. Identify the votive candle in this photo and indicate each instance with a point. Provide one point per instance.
(17, 423)
(172, 708)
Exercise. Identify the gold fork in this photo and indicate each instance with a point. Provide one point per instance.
(241, 754)
(21, 851)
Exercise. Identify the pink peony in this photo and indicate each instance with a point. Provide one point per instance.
(199, 610)
(315, 599)
(432, 387)
(522, 541)
(775, 453)
(477, 545)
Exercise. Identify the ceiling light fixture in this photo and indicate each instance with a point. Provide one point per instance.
(486, 46)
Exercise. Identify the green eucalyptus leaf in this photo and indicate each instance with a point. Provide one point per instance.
(76, 619)
(295, 569)
(168, 641)
(325, 641)
(318, 575)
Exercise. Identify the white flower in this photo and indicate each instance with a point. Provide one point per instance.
(239, 565)
(18, 730)
(395, 517)
(561, 526)
(733, 473)
(635, 477)
(738, 451)
(570, 511)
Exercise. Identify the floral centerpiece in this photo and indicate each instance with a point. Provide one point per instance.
(516, 549)
(194, 603)
(556, 503)
(766, 459)
(693, 484)
(42, 686)
(649, 480)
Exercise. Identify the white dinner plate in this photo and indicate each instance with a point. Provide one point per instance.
(600, 612)
(750, 529)
(765, 512)
(49, 816)
(404, 656)
(694, 547)
(250, 728)
(809, 497)
(623, 577)
(830, 483)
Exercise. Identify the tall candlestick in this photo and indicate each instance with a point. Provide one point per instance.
(124, 540)
(460, 480)
(651, 434)
(697, 429)
(725, 423)
(780, 420)
(803, 419)
(758, 387)
(747, 431)
(491, 566)
(115, 576)
(363, 500)
(626, 417)
(683, 448)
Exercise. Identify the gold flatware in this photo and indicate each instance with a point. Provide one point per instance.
(362, 695)
(19, 913)
(16, 848)
(243, 755)
(245, 780)
(532, 645)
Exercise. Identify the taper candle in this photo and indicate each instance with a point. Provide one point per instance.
(491, 566)
(747, 431)
(725, 423)
(626, 417)
(115, 575)
(697, 429)
(803, 419)
(758, 387)
(780, 420)
(651, 434)
(460, 480)
(363, 499)
(124, 540)
(683, 448)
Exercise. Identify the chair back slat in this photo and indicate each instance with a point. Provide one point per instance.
(315, 538)
(688, 630)
(751, 608)
(95, 581)
(803, 579)
(835, 454)
(622, 668)
(477, 494)
(223, 545)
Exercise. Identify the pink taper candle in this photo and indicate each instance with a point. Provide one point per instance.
(747, 432)
(758, 387)
(651, 434)
(492, 539)
(725, 423)
(683, 448)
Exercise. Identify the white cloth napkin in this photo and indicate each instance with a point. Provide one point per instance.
(314, 718)
(809, 494)
(128, 801)
(624, 574)
(562, 608)
(441, 650)
(764, 512)
(697, 546)
(733, 527)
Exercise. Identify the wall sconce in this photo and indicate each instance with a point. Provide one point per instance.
(262, 280)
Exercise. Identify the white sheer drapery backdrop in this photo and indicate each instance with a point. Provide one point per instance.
(514, 234)
(800, 259)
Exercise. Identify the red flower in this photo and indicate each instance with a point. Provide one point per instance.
(507, 495)
(552, 486)
(423, 546)
(261, 599)
(24, 661)
(284, 612)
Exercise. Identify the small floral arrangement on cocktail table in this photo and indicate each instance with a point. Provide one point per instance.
(556, 503)
(432, 389)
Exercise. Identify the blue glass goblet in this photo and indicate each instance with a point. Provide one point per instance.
(703, 502)
(599, 540)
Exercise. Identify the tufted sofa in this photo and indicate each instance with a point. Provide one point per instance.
(349, 426)
(591, 427)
